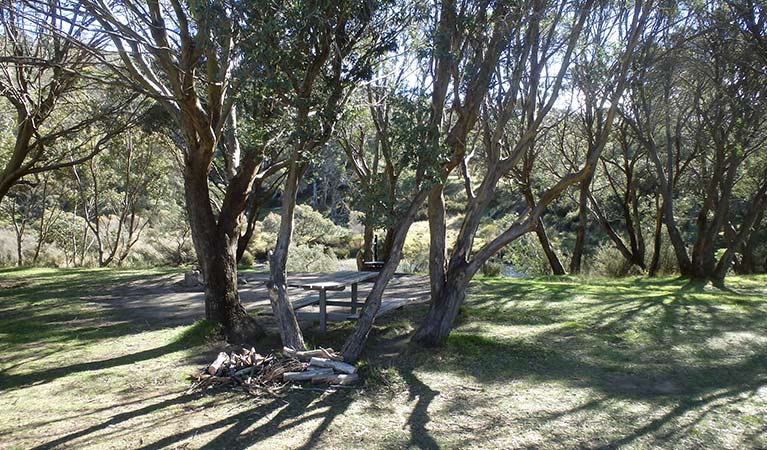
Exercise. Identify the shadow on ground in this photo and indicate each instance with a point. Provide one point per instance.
(685, 350)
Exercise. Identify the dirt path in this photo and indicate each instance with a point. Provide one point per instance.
(165, 300)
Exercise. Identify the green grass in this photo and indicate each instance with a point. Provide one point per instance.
(535, 363)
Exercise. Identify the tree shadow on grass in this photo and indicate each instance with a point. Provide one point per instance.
(115, 420)
(236, 432)
(184, 341)
(620, 343)
(419, 416)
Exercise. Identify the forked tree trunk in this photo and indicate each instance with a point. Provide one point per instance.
(278, 290)
(443, 310)
(216, 248)
(746, 231)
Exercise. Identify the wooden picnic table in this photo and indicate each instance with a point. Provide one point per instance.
(324, 282)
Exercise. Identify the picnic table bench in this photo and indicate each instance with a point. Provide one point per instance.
(324, 282)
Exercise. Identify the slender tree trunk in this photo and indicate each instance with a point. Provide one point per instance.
(747, 262)
(388, 244)
(543, 238)
(367, 245)
(551, 255)
(355, 342)
(19, 250)
(580, 237)
(437, 238)
(747, 229)
(252, 217)
(657, 240)
(278, 290)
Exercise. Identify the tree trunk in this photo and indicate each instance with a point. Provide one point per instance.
(580, 237)
(355, 342)
(290, 332)
(216, 253)
(443, 310)
(551, 255)
(657, 241)
(437, 238)
(747, 229)
(747, 263)
(367, 245)
(19, 250)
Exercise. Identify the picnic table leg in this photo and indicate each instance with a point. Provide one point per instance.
(323, 310)
(354, 298)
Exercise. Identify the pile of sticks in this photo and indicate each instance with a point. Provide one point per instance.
(325, 366)
(272, 374)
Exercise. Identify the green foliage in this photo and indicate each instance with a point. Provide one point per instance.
(415, 253)
(607, 261)
(246, 261)
(311, 258)
(491, 269)
(525, 255)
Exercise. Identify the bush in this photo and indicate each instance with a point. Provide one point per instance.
(311, 258)
(7, 248)
(247, 260)
(491, 269)
(667, 263)
(415, 253)
(526, 256)
(609, 262)
(310, 228)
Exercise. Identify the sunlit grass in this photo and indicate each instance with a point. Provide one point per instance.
(532, 363)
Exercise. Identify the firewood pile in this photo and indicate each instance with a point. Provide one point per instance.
(272, 374)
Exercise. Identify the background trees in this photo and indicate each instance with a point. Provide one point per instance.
(46, 61)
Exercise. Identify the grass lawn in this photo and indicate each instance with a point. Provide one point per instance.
(538, 363)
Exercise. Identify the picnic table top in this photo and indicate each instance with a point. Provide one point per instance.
(332, 281)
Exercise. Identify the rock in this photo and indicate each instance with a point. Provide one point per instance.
(192, 278)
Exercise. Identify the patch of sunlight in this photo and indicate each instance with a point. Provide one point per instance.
(740, 341)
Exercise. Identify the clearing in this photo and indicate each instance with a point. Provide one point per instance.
(547, 363)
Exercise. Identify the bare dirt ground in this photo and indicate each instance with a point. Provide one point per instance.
(165, 299)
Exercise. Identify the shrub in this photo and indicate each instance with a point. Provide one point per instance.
(667, 263)
(415, 253)
(491, 269)
(311, 258)
(609, 262)
(246, 261)
(526, 256)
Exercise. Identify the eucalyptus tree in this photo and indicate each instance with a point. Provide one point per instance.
(378, 142)
(709, 133)
(465, 44)
(623, 166)
(47, 72)
(118, 190)
(730, 114)
(521, 100)
(305, 74)
(183, 55)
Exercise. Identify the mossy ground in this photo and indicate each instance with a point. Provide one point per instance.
(535, 363)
